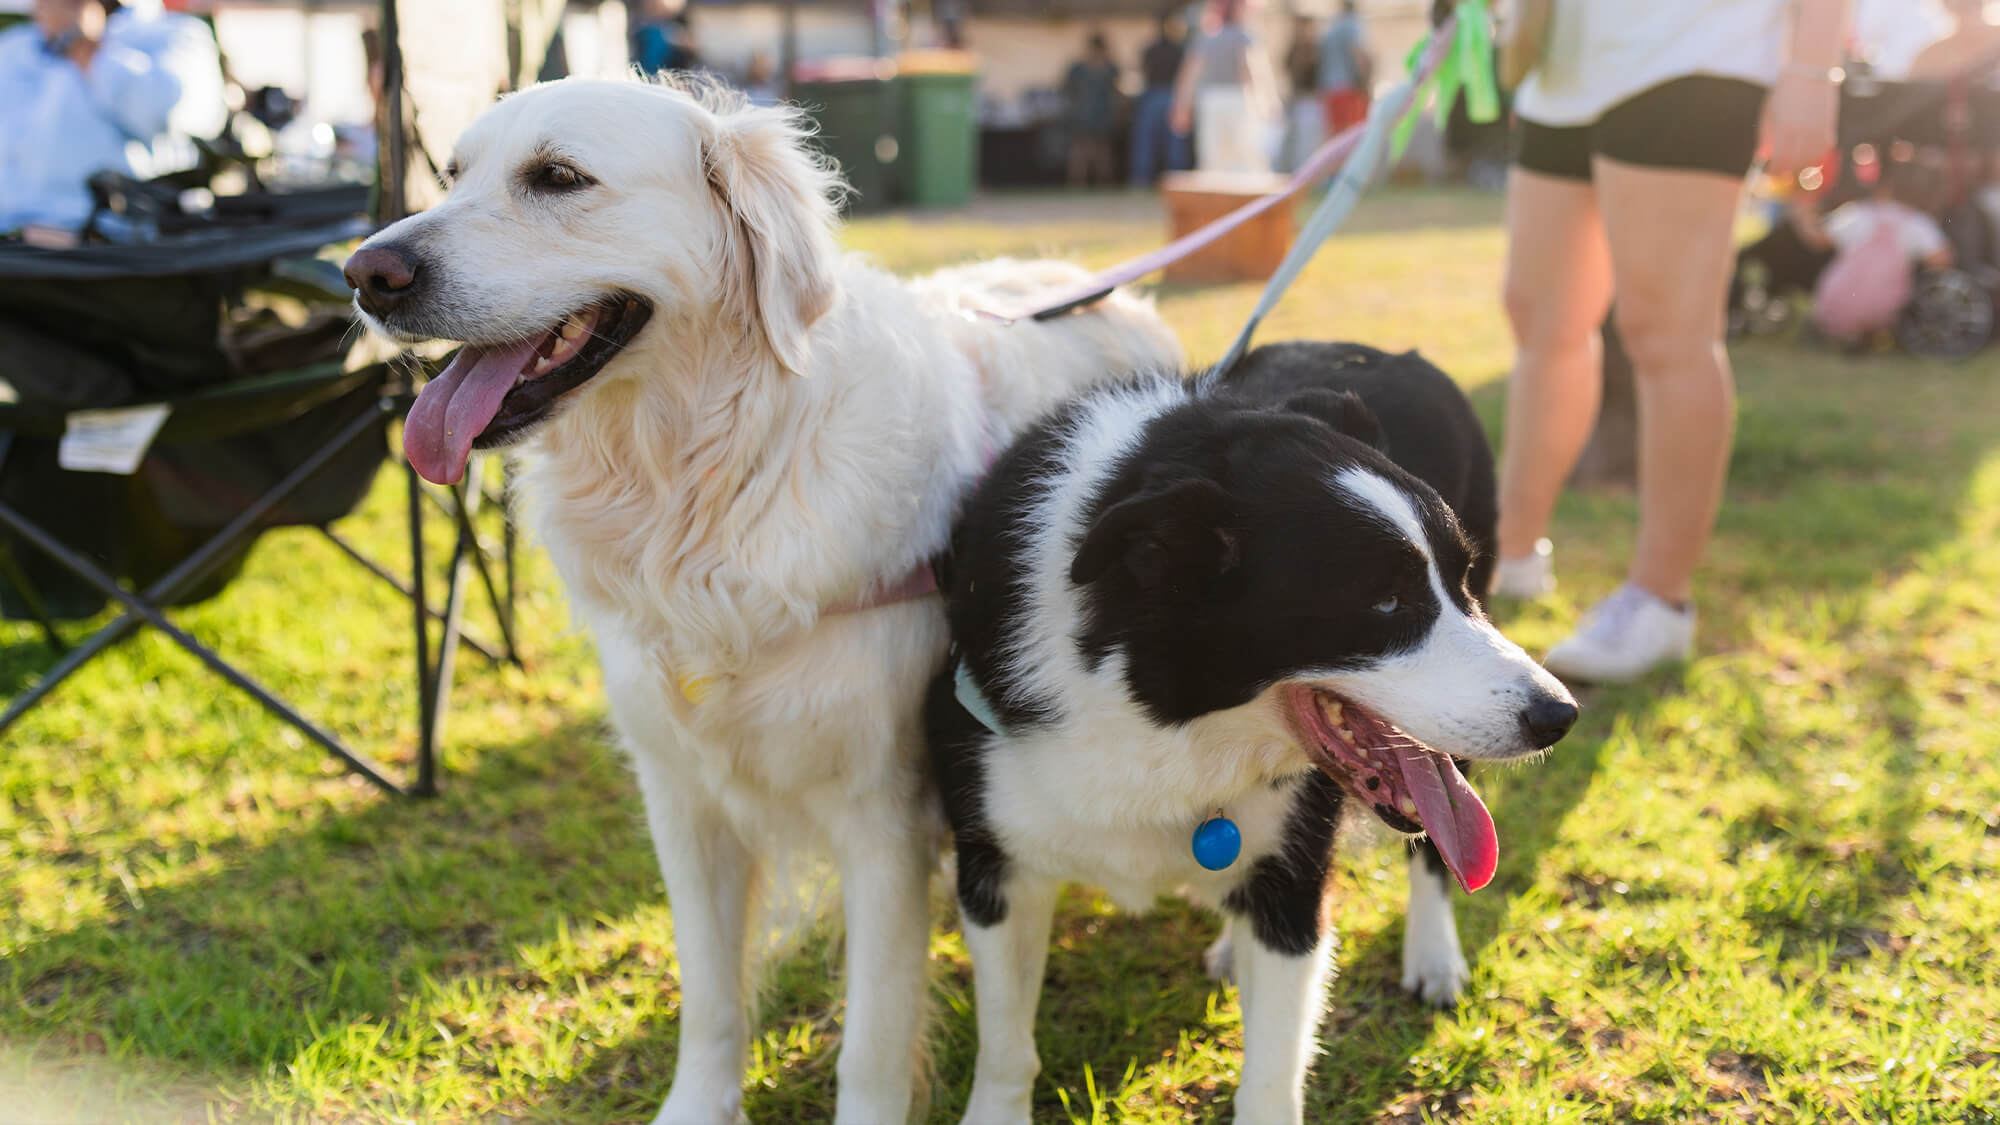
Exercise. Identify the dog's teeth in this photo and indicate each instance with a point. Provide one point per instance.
(1347, 736)
(1409, 807)
(1331, 709)
(572, 329)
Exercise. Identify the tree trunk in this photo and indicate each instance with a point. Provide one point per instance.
(1612, 456)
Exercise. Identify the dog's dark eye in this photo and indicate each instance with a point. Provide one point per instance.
(1386, 606)
(559, 177)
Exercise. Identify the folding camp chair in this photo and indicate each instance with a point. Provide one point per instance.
(234, 453)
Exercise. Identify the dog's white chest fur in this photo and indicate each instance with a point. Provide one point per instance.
(1112, 802)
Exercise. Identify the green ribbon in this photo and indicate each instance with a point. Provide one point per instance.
(1466, 68)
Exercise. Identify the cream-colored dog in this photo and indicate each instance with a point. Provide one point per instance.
(740, 449)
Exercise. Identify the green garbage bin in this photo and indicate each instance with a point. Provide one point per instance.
(855, 105)
(940, 128)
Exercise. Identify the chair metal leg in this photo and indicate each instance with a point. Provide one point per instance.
(10, 569)
(507, 553)
(403, 588)
(434, 675)
(451, 501)
(19, 577)
(426, 690)
(151, 615)
(182, 577)
(75, 659)
(513, 587)
(468, 502)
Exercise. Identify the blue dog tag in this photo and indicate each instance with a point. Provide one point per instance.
(1217, 843)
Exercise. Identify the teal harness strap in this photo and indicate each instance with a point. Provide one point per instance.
(972, 699)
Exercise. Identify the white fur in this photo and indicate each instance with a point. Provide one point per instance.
(1433, 965)
(1283, 998)
(791, 431)
(1008, 960)
(1106, 796)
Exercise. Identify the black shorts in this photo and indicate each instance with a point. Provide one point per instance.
(1699, 123)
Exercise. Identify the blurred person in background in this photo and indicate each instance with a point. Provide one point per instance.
(1090, 101)
(662, 41)
(1890, 34)
(1226, 94)
(1345, 71)
(1638, 123)
(1156, 147)
(1304, 120)
(760, 80)
(1879, 243)
(88, 86)
(1972, 44)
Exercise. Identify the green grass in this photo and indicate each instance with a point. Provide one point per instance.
(1766, 889)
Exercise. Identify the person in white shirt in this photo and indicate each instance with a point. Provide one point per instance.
(1921, 238)
(1890, 34)
(88, 86)
(1636, 127)
(1226, 94)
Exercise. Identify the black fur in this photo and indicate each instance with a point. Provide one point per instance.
(1281, 895)
(1218, 559)
(1428, 426)
(954, 736)
(1445, 448)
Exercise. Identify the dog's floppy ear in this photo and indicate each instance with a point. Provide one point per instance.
(1170, 538)
(780, 251)
(1343, 410)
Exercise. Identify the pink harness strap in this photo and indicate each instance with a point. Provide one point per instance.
(919, 582)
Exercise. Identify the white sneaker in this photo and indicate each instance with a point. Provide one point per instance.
(1529, 576)
(1624, 637)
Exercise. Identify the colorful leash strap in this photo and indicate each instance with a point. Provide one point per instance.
(1456, 56)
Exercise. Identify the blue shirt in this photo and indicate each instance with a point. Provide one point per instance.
(660, 47)
(154, 83)
(1338, 49)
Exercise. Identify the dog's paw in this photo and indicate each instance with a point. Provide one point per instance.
(684, 1112)
(1434, 971)
(1219, 959)
(737, 1118)
(992, 1104)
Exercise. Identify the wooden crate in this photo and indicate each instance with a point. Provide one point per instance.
(1252, 251)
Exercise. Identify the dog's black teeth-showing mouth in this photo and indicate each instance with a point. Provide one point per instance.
(586, 341)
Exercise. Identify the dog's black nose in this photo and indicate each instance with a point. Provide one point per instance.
(381, 276)
(1547, 719)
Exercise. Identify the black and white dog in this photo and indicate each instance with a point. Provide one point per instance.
(1182, 617)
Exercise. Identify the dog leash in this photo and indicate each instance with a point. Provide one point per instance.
(1461, 43)
(1457, 54)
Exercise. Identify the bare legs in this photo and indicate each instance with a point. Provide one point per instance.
(1662, 239)
(1558, 286)
(1671, 247)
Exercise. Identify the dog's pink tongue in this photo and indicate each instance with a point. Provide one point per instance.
(1453, 816)
(457, 405)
